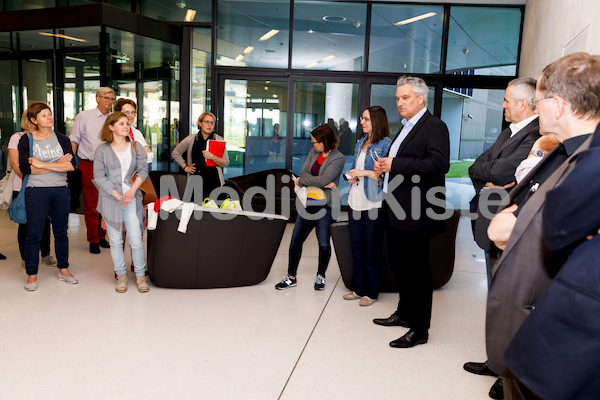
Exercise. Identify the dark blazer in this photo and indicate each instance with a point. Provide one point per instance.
(497, 165)
(560, 336)
(426, 153)
(521, 276)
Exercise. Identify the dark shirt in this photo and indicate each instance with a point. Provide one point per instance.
(210, 175)
(563, 151)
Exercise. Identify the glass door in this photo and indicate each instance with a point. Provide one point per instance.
(254, 124)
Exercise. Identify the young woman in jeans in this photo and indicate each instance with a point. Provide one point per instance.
(46, 193)
(119, 200)
(321, 171)
(364, 199)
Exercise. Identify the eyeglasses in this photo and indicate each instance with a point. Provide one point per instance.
(129, 112)
(209, 122)
(108, 98)
(315, 142)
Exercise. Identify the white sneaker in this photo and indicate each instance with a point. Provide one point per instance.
(319, 282)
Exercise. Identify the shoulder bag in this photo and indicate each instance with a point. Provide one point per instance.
(17, 211)
(147, 187)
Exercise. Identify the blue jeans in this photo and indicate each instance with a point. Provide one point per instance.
(41, 203)
(133, 227)
(366, 238)
(301, 230)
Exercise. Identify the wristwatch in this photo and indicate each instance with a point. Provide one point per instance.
(213, 158)
(537, 153)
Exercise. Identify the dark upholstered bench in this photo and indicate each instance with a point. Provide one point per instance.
(213, 253)
(442, 253)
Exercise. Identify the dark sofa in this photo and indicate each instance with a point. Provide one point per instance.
(213, 253)
(282, 180)
(442, 254)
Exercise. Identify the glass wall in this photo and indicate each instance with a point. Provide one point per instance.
(329, 36)
(147, 70)
(254, 121)
(406, 38)
(253, 33)
(179, 10)
(484, 40)
(201, 74)
(334, 104)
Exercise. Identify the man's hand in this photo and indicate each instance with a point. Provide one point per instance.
(502, 226)
(330, 185)
(384, 164)
(507, 186)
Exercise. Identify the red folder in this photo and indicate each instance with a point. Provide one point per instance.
(216, 147)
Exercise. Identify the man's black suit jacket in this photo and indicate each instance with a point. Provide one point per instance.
(497, 165)
(422, 162)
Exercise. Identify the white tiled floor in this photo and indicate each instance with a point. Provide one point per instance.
(87, 342)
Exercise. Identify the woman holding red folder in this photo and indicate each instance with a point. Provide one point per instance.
(198, 155)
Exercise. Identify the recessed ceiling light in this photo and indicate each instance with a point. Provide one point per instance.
(268, 35)
(334, 18)
(415, 19)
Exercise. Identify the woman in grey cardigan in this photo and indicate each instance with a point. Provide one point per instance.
(120, 201)
(320, 174)
(197, 155)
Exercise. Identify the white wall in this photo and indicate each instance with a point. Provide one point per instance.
(554, 28)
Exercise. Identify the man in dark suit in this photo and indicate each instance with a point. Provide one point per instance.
(555, 353)
(495, 167)
(567, 103)
(493, 176)
(415, 168)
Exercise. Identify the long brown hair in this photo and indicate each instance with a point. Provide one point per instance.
(380, 127)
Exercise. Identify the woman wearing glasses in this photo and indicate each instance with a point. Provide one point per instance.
(364, 199)
(197, 155)
(129, 108)
(321, 174)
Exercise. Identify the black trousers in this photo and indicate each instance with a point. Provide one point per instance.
(408, 252)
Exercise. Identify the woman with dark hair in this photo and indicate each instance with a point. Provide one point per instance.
(320, 171)
(46, 192)
(129, 108)
(120, 200)
(364, 199)
(197, 155)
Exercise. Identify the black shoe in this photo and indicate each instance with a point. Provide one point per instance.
(94, 248)
(479, 369)
(393, 320)
(410, 339)
(497, 390)
(2, 256)
(104, 244)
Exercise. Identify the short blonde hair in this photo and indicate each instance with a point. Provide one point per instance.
(204, 114)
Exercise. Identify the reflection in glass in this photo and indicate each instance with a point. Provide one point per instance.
(329, 36)
(474, 119)
(180, 10)
(333, 104)
(201, 69)
(406, 38)
(253, 34)
(483, 40)
(82, 78)
(254, 125)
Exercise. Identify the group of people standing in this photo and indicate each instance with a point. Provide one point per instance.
(384, 176)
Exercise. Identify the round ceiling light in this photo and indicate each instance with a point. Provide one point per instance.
(333, 18)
